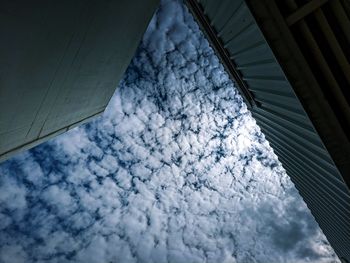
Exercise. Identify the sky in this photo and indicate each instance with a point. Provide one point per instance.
(176, 170)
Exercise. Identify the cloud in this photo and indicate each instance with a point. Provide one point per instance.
(176, 170)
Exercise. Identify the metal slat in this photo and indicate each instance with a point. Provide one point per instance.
(293, 134)
(272, 96)
(326, 221)
(277, 105)
(309, 184)
(278, 110)
(271, 90)
(337, 194)
(210, 6)
(305, 155)
(285, 104)
(259, 64)
(305, 184)
(259, 46)
(261, 68)
(224, 6)
(240, 35)
(250, 36)
(295, 151)
(293, 128)
(285, 114)
(334, 181)
(290, 120)
(231, 19)
(253, 53)
(239, 22)
(327, 217)
(333, 214)
(230, 11)
(223, 55)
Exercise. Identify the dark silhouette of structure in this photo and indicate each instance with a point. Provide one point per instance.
(290, 60)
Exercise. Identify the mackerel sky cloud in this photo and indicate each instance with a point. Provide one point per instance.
(176, 170)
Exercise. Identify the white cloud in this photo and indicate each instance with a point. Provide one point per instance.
(176, 170)
(13, 254)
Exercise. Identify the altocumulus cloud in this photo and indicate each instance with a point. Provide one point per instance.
(176, 170)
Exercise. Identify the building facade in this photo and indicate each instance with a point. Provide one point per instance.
(61, 62)
(290, 61)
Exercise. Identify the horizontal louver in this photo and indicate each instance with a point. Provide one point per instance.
(277, 109)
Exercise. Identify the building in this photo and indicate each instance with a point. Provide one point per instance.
(290, 61)
(60, 63)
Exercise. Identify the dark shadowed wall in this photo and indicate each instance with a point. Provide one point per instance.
(61, 62)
